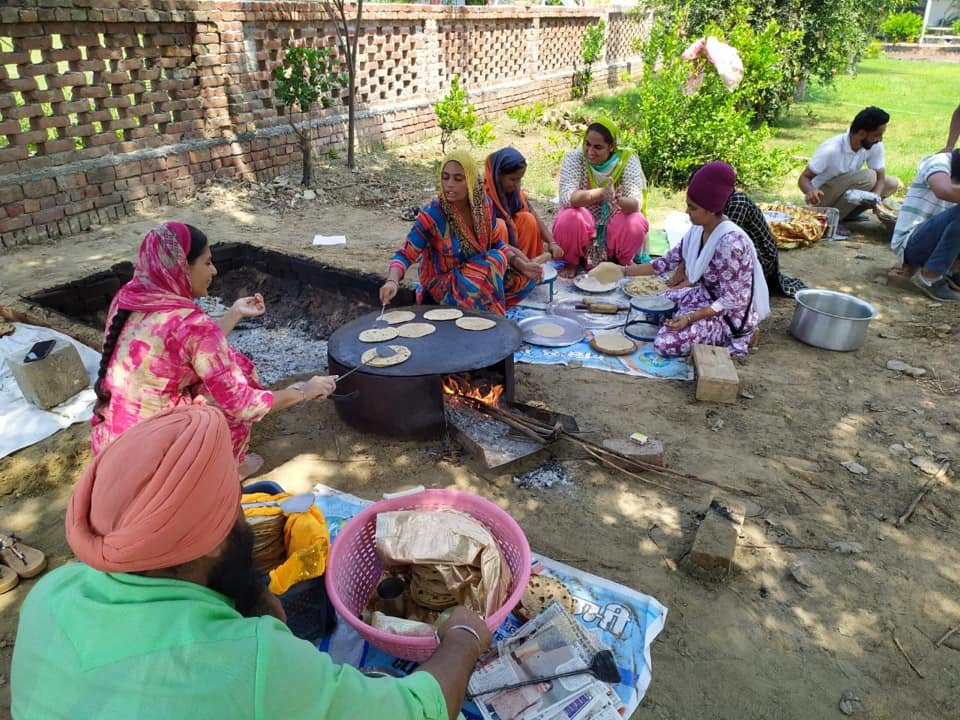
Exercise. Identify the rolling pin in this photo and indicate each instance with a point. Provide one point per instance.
(601, 308)
(542, 258)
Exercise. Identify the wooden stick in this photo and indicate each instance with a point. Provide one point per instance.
(946, 636)
(916, 501)
(610, 463)
(904, 653)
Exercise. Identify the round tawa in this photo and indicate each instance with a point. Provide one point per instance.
(613, 344)
(372, 335)
(416, 330)
(371, 358)
(398, 316)
(475, 323)
(443, 314)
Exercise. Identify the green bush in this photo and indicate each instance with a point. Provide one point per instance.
(524, 115)
(454, 112)
(873, 50)
(955, 27)
(902, 27)
(591, 43)
(674, 133)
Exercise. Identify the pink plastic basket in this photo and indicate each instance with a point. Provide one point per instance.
(353, 567)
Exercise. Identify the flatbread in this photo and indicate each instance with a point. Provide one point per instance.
(644, 286)
(398, 316)
(6, 328)
(613, 342)
(443, 314)
(548, 330)
(606, 273)
(371, 358)
(378, 334)
(475, 323)
(542, 590)
(415, 330)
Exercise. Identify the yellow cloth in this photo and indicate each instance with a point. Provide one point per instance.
(306, 539)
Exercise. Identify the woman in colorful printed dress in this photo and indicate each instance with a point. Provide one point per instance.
(465, 259)
(717, 281)
(601, 198)
(526, 230)
(161, 350)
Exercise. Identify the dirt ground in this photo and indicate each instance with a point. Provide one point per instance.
(760, 644)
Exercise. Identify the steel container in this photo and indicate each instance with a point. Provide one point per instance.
(831, 320)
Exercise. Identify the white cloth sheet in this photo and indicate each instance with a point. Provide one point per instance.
(23, 423)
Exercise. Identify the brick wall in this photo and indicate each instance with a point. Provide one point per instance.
(110, 106)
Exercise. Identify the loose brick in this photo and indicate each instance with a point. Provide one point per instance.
(717, 379)
(716, 541)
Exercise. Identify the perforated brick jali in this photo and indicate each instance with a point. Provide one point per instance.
(109, 109)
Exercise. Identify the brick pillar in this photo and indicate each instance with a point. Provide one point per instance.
(533, 48)
(429, 59)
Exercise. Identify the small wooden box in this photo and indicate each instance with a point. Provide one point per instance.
(717, 379)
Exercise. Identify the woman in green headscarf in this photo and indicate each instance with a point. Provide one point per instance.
(601, 197)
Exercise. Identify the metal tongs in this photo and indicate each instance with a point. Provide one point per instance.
(384, 351)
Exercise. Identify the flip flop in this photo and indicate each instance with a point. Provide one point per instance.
(8, 579)
(25, 561)
(250, 465)
(410, 213)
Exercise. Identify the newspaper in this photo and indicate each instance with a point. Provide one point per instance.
(551, 643)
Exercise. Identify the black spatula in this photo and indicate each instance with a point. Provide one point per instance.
(602, 666)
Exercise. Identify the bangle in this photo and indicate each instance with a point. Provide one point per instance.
(391, 280)
(465, 628)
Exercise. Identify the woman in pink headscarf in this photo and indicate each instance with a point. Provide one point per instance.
(161, 350)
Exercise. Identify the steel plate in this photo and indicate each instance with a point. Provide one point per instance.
(573, 331)
(582, 283)
(642, 331)
(652, 303)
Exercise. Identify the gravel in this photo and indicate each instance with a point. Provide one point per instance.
(277, 352)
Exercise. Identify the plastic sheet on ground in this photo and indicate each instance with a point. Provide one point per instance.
(626, 620)
(22, 423)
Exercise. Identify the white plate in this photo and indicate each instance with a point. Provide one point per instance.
(588, 284)
(549, 274)
(776, 216)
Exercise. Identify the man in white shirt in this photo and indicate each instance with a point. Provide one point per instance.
(927, 234)
(837, 165)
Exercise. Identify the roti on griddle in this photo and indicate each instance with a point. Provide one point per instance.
(372, 335)
(371, 358)
(416, 330)
(475, 323)
(398, 316)
(443, 314)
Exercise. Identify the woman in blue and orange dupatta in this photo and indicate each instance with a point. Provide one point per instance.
(501, 180)
(465, 259)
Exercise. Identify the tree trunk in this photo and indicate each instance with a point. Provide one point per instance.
(800, 90)
(306, 150)
(351, 110)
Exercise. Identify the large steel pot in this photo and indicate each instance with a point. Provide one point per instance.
(831, 320)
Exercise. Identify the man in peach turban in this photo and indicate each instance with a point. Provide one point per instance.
(164, 616)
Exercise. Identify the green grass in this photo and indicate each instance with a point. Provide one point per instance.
(920, 95)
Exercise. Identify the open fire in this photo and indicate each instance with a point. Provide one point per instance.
(485, 390)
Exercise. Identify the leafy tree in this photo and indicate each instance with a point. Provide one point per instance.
(306, 76)
(347, 41)
(591, 43)
(454, 112)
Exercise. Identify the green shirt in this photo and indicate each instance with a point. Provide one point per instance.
(96, 645)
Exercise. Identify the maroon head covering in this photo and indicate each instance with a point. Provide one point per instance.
(161, 279)
(711, 186)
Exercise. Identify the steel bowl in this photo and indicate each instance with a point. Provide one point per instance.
(831, 320)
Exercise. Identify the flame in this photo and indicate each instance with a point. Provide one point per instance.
(487, 393)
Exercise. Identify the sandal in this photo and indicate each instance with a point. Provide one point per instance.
(25, 561)
(410, 213)
(8, 579)
(250, 465)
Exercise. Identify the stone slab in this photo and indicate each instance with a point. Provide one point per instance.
(48, 382)
(717, 379)
(716, 541)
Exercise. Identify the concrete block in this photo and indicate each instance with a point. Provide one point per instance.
(650, 452)
(717, 379)
(52, 380)
(716, 540)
